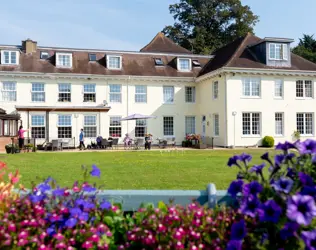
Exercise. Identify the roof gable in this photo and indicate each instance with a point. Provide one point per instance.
(161, 43)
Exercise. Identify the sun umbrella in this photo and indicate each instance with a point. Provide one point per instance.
(137, 117)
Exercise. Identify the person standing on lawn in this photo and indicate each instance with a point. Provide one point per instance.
(21, 136)
(81, 140)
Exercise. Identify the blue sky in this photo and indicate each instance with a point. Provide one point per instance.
(129, 24)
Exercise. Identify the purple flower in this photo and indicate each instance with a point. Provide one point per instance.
(250, 206)
(37, 197)
(306, 180)
(234, 245)
(59, 192)
(233, 161)
(309, 238)
(71, 222)
(301, 208)
(88, 188)
(306, 147)
(270, 211)
(314, 159)
(238, 230)
(308, 191)
(51, 230)
(252, 188)
(105, 205)
(290, 156)
(75, 212)
(288, 230)
(43, 187)
(257, 168)
(285, 146)
(290, 173)
(84, 216)
(235, 187)
(95, 171)
(278, 160)
(283, 185)
(245, 158)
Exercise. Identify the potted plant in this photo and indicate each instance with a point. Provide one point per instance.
(296, 135)
(11, 148)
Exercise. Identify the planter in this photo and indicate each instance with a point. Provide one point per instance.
(8, 150)
(201, 146)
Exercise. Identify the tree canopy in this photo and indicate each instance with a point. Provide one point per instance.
(306, 48)
(203, 26)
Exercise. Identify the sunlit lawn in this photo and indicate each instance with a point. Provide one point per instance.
(132, 170)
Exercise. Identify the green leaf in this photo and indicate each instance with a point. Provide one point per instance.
(162, 206)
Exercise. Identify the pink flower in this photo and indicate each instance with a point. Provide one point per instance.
(22, 242)
(161, 228)
(23, 235)
(43, 247)
(114, 208)
(43, 235)
(94, 238)
(11, 227)
(59, 236)
(25, 223)
(108, 233)
(72, 241)
(179, 245)
(87, 245)
(2, 165)
(177, 235)
(14, 178)
(60, 245)
(76, 189)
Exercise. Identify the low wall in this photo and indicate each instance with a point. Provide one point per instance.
(132, 199)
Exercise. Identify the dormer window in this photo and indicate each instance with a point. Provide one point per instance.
(114, 62)
(158, 62)
(196, 63)
(44, 55)
(64, 60)
(278, 51)
(9, 57)
(92, 57)
(184, 64)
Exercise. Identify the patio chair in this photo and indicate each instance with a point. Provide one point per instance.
(139, 143)
(162, 143)
(65, 143)
(105, 143)
(115, 143)
(56, 144)
(171, 142)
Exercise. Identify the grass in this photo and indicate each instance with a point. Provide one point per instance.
(192, 170)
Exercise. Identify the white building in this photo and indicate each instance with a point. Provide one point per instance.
(248, 89)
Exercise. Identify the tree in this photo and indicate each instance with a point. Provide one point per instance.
(306, 48)
(203, 26)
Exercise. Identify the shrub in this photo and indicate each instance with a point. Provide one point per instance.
(268, 142)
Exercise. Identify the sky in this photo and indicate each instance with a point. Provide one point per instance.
(130, 24)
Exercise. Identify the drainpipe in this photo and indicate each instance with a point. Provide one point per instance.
(127, 100)
(28, 123)
(225, 111)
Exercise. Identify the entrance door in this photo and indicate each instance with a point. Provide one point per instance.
(203, 128)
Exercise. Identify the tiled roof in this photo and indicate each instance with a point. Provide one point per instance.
(161, 43)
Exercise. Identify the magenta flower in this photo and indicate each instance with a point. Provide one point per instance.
(87, 244)
(301, 208)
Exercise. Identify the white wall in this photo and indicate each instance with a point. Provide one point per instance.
(267, 105)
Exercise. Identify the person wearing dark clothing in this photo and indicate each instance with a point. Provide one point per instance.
(148, 141)
(99, 141)
(81, 139)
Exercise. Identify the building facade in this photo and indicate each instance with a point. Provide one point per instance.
(248, 89)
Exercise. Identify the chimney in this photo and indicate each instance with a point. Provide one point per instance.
(29, 46)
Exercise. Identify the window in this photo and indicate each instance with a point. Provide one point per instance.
(90, 126)
(38, 92)
(279, 123)
(304, 123)
(64, 92)
(64, 60)
(168, 126)
(215, 90)
(9, 91)
(89, 93)
(38, 126)
(92, 57)
(304, 88)
(251, 87)
(189, 125)
(115, 93)
(114, 62)
(278, 51)
(44, 55)
(184, 64)
(140, 93)
(9, 57)
(278, 88)
(141, 128)
(251, 123)
(8, 128)
(168, 94)
(190, 94)
(158, 62)
(196, 63)
(115, 129)
(216, 124)
(64, 126)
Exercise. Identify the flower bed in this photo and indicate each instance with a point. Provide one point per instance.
(274, 211)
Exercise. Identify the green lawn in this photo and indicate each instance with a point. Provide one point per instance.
(132, 170)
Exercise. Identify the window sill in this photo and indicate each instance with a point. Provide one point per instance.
(140, 102)
(115, 102)
(304, 98)
(307, 135)
(167, 103)
(215, 136)
(38, 101)
(168, 136)
(114, 68)
(251, 136)
(63, 67)
(190, 102)
(251, 97)
(278, 136)
(278, 98)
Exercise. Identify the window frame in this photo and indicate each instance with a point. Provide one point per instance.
(137, 135)
(43, 135)
(276, 81)
(111, 94)
(44, 53)
(216, 125)
(115, 126)
(38, 92)
(179, 64)
(58, 55)
(8, 91)
(17, 57)
(108, 62)
(251, 87)
(89, 93)
(278, 115)
(283, 48)
(193, 131)
(141, 94)
(163, 124)
(215, 90)
(91, 57)
(304, 81)
(64, 92)
(304, 123)
(87, 126)
(173, 94)
(251, 127)
(64, 126)
(193, 94)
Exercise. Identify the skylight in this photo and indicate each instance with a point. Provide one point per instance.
(196, 63)
(92, 57)
(158, 61)
(44, 55)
